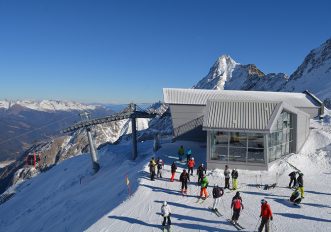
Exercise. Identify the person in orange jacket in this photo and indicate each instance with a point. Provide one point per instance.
(266, 215)
(190, 165)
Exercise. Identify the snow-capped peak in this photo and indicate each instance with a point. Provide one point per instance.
(47, 105)
(218, 74)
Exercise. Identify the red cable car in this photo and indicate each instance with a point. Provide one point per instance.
(33, 159)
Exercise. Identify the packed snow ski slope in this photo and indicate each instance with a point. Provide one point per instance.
(69, 198)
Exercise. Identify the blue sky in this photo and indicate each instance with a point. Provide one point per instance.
(122, 51)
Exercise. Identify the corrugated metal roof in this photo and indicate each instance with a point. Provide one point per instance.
(240, 115)
(200, 96)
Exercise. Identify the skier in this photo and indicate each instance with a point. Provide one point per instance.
(190, 165)
(234, 175)
(188, 154)
(160, 165)
(295, 197)
(293, 179)
(300, 183)
(173, 171)
(152, 166)
(201, 169)
(184, 177)
(166, 213)
(217, 193)
(204, 186)
(266, 215)
(181, 153)
(236, 205)
(227, 177)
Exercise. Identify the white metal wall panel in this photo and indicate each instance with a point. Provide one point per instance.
(182, 114)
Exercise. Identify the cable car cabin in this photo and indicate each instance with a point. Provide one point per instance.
(33, 159)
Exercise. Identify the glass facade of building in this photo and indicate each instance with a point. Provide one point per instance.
(280, 141)
(251, 147)
(237, 147)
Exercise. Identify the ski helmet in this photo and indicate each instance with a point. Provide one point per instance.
(300, 174)
(165, 203)
(160, 160)
(192, 158)
(263, 201)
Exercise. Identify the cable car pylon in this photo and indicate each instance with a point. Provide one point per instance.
(129, 112)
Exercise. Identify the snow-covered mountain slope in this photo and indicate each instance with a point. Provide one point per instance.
(314, 73)
(68, 198)
(48, 105)
(230, 75)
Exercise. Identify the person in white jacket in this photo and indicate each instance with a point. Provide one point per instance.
(166, 213)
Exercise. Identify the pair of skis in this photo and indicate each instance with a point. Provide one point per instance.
(218, 214)
(236, 224)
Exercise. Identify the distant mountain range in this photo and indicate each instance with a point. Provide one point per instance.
(314, 74)
(23, 123)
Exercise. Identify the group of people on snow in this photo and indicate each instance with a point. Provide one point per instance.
(155, 168)
(236, 204)
(234, 176)
(297, 186)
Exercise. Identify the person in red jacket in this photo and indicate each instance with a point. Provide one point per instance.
(266, 215)
(190, 165)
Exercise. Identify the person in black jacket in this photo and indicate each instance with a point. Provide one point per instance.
(234, 175)
(293, 179)
(173, 171)
(217, 193)
(300, 183)
(200, 171)
(184, 177)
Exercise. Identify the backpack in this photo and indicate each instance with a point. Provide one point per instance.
(236, 204)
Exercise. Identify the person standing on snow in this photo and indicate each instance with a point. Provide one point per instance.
(217, 193)
(237, 206)
(160, 165)
(227, 177)
(188, 154)
(300, 183)
(234, 175)
(166, 213)
(204, 186)
(173, 171)
(293, 179)
(190, 165)
(181, 152)
(200, 171)
(152, 166)
(184, 177)
(266, 215)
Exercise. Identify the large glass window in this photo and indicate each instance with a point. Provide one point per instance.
(255, 148)
(219, 145)
(237, 147)
(280, 140)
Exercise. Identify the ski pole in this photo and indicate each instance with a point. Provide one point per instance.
(257, 224)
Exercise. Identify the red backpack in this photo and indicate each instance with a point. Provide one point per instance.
(236, 204)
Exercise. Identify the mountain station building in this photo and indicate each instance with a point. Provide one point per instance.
(244, 129)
